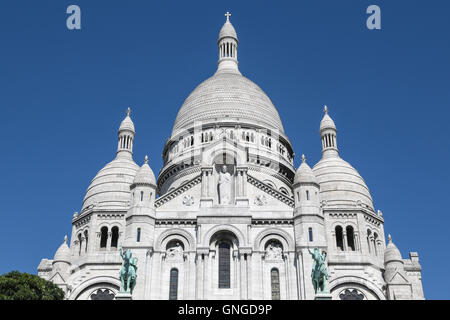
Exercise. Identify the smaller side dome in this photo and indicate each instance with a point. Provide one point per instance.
(327, 122)
(305, 174)
(63, 253)
(227, 29)
(127, 123)
(145, 175)
(392, 253)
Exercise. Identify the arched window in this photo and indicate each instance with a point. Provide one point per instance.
(275, 283)
(307, 194)
(224, 264)
(369, 233)
(103, 237)
(375, 239)
(173, 285)
(138, 237)
(339, 240)
(350, 238)
(80, 241)
(310, 232)
(142, 196)
(114, 237)
(86, 237)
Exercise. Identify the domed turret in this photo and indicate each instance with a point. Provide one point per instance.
(305, 174)
(143, 187)
(393, 261)
(340, 183)
(392, 254)
(306, 189)
(145, 175)
(111, 186)
(63, 253)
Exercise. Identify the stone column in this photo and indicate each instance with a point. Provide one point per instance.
(108, 243)
(249, 276)
(241, 192)
(292, 276)
(287, 276)
(344, 240)
(243, 276)
(199, 278)
(300, 276)
(206, 198)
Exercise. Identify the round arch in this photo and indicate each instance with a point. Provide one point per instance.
(226, 227)
(92, 283)
(273, 233)
(358, 282)
(179, 234)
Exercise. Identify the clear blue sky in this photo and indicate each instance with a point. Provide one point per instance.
(63, 94)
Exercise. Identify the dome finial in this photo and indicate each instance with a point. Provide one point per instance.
(228, 15)
(389, 238)
(65, 238)
(325, 109)
(303, 158)
(128, 111)
(146, 159)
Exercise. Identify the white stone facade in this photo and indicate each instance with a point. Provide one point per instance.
(190, 244)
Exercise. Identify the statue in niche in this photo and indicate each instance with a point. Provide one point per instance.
(224, 186)
(175, 251)
(274, 251)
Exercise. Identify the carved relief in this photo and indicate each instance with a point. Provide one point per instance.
(174, 250)
(260, 200)
(274, 251)
(188, 200)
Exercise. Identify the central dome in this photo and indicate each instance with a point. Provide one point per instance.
(228, 96)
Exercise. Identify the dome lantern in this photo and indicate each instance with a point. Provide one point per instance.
(228, 44)
(328, 134)
(126, 136)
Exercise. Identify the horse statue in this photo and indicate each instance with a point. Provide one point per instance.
(128, 271)
(319, 274)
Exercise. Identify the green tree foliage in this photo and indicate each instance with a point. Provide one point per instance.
(24, 286)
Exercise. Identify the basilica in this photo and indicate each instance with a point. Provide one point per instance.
(229, 216)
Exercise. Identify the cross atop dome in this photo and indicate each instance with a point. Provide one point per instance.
(303, 158)
(325, 109)
(228, 15)
(128, 111)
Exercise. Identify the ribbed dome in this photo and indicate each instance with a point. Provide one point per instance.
(227, 31)
(145, 175)
(127, 124)
(111, 186)
(327, 123)
(63, 252)
(305, 174)
(392, 253)
(228, 96)
(340, 183)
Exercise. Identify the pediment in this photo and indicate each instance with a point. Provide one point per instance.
(268, 191)
(57, 278)
(398, 278)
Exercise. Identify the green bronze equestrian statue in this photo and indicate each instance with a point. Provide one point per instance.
(128, 272)
(319, 274)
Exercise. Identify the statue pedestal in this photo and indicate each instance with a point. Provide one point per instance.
(322, 296)
(123, 296)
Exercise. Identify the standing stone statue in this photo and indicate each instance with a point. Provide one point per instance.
(224, 186)
(128, 273)
(319, 274)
